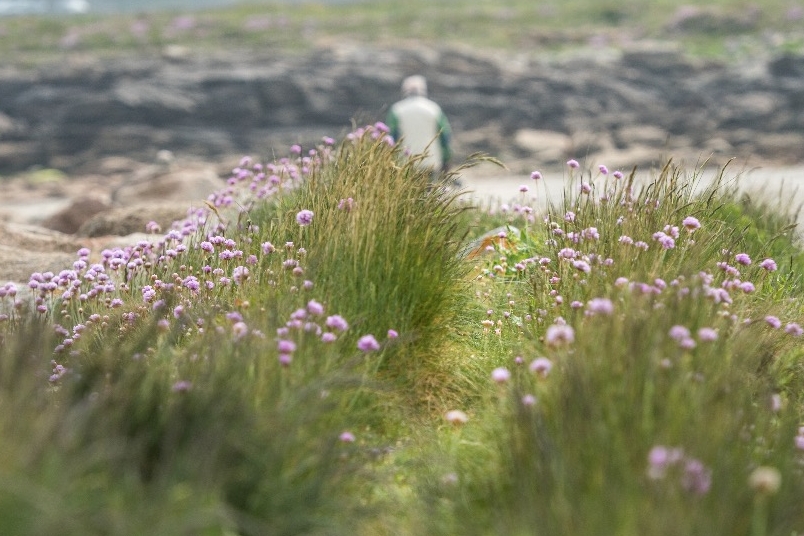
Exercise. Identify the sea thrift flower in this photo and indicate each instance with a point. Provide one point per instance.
(742, 258)
(697, 478)
(240, 274)
(799, 440)
(181, 386)
(536, 175)
(591, 233)
(582, 266)
(768, 264)
(337, 323)
(328, 337)
(285, 346)
(239, 330)
(456, 416)
(679, 333)
(600, 306)
(691, 224)
(392, 334)
(315, 308)
(528, 400)
(541, 366)
(500, 375)
(586, 188)
(617, 174)
(773, 321)
(665, 240)
(573, 163)
(603, 169)
(707, 334)
(660, 458)
(367, 343)
(523, 188)
(346, 437)
(559, 334)
(794, 329)
(304, 217)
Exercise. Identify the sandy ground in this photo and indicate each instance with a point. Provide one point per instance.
(783, 187)
(26, 247)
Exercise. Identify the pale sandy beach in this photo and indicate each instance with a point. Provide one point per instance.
(784, 185)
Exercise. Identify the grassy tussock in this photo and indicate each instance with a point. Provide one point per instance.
(629, 364)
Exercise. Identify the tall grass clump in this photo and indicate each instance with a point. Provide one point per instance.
(645, 387)
(383, 245)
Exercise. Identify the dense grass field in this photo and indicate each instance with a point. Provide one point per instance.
(721, 28)
(336, 345)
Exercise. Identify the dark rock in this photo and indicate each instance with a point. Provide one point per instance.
(133, 219)
(71, 218)
(787, 66)
(80, 112)
(192, 184)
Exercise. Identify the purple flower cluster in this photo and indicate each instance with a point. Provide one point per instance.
(693, 475)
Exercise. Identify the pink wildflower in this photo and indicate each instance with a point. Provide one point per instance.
(582, 266)
(691, 223)
(559, 334)
(773, 322)
(315, 308)
(304, 217)
(367, 343)
(541, 366)
(500, 375)
(794, 329)
(679, 333)
(768, 264)
(602, 306)
(337, 323)
(707, 334)
(285, 346)
(181, 386)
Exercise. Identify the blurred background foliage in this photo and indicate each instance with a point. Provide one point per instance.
(720, 28)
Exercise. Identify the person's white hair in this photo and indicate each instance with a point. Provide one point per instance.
(414, 85)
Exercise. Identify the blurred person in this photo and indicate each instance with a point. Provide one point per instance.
(420, 125)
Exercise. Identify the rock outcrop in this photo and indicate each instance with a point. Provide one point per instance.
(633, 104)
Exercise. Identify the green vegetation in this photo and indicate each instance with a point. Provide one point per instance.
(320, 352)
(724, 28)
